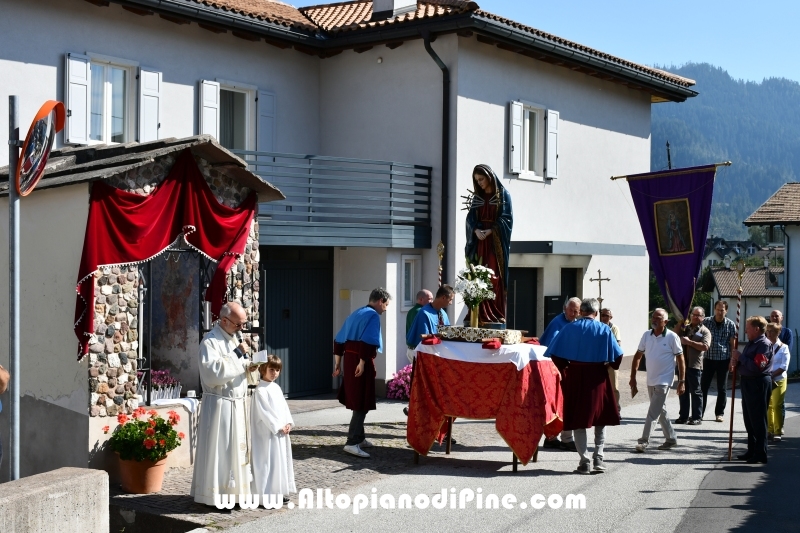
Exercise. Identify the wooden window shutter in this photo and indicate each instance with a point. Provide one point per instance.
(209, 108)
(515, 148)
(77, 97)
(149, 105)
(551, 145)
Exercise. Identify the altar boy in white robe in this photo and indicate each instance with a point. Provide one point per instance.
(270, 424)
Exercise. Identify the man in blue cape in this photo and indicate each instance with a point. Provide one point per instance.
(358, 343)
(581, 351)
(431, 316)
(571, 312)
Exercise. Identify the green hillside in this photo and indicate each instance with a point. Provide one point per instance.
(754, 125)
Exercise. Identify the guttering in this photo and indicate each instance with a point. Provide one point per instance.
(444, 223)
(555, 49)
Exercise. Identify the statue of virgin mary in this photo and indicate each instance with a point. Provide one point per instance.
(489, 222)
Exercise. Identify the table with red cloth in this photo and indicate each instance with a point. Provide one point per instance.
(525, 403)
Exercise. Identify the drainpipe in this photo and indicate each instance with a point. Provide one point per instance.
(445, 216)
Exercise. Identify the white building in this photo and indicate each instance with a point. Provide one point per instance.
(354, 82)
(762, 292)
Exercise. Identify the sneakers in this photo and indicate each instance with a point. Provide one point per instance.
(680, 421)
(694, 422)
(356, 450)
(667, 445)
(599, 465)
(719, 418)
(552, 443)
(641, 447)
(569, 446)
(365, 444)
(777, 438)
(584, 468)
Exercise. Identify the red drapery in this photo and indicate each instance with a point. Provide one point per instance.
(125, 228)
(524, 403)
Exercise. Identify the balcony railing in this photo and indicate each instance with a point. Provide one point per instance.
(339, 201)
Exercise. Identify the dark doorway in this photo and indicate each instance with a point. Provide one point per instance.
(298, 315)
(522, 291)
(569, 282)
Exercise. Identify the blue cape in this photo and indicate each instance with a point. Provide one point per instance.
(363, 325)
(426, 322)
(585, 341)
(552, 329)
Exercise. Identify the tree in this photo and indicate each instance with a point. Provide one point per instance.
(758, 234)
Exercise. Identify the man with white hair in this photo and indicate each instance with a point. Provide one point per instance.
(572, 308)
(785, 336)
(221, 464)
(662, 348)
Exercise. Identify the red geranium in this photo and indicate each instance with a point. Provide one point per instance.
(149, 443)
(138, 438)
(149, 432)
(105, 429)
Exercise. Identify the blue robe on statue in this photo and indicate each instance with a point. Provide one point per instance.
(425, 323)
(359, 339)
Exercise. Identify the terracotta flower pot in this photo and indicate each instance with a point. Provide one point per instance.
(142, 477)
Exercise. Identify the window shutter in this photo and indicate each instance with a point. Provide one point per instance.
(209, 108)
(265, 133)
(149, 105)
(77, 96)
(515, 148)
(551, 146)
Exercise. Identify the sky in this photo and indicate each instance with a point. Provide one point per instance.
(751, 40)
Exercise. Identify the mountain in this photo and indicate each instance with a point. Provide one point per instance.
(754, 125)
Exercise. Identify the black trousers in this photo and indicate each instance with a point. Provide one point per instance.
(693, 396)
(718, 369)
(355, 434)
(755, 399)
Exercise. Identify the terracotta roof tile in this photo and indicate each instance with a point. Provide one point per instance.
(783, 207)
(753, 282)
(355, 15)
(266, 10)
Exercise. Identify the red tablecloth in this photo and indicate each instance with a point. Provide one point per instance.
(524, 403)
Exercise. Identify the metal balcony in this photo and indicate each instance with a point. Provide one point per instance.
(337, 201)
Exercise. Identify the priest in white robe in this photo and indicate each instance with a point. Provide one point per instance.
(270, 424)
(221, 464)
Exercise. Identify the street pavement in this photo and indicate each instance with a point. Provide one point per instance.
(691, 487)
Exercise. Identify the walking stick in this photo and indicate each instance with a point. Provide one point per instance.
(740, 270)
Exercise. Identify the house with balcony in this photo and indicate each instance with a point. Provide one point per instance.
(369, 116)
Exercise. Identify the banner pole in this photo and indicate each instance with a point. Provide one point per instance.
(676, 173)
(736, 347)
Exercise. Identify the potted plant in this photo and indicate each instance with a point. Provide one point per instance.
(142, 442)
(474, 284)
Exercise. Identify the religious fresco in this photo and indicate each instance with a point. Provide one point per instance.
(673, 227)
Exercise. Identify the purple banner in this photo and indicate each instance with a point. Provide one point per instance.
(674, 207)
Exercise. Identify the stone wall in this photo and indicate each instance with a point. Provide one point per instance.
(113, 349)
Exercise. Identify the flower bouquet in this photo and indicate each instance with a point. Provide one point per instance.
(164, 386)
(399, 387)
(142, 442)
(474, 284)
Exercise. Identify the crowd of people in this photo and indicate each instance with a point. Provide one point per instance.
(583, 343)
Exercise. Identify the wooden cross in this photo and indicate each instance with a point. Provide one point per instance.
(600, 279)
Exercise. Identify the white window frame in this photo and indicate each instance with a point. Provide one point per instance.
(415, 261)
(541, 112)
(131, 90)
(250, 92)
(766, 301)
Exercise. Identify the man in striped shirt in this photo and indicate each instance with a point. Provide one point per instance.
(718, 358)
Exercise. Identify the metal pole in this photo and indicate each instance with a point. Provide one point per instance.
(733, 385)
(13, 283)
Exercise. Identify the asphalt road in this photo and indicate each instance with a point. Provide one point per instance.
(688, 488)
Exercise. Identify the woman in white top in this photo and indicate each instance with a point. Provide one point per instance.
(778, 367)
